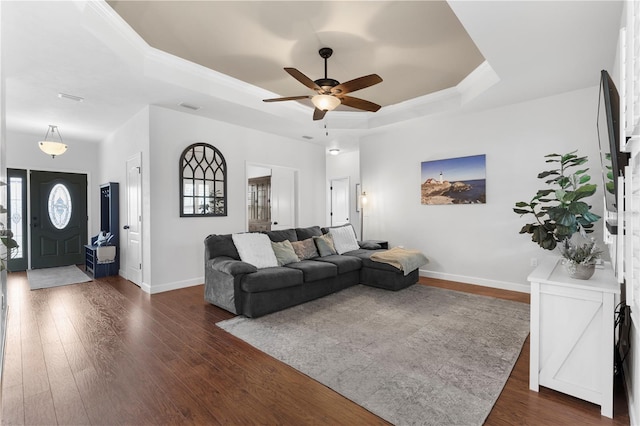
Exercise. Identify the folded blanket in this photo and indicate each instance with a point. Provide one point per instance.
(404, 259)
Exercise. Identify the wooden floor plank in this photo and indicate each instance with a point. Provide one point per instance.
(105, 352)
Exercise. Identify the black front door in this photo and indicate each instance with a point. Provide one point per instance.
(58, 219)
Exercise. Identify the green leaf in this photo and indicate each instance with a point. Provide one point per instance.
(528, 228)
(543, 192)
(591, 217)
(578, 207)
(522, 204)
(568, 157)
(585, 191)
(584, 179)
(562, 216)
(521, 211)
(564, 182)
(552, 155)
(579, 172)
(611, 188)
(548, 173)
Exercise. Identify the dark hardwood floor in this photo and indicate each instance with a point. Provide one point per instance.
(107, 353)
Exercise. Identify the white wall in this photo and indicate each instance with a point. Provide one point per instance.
(345, 165)
(131, 138)
(177, 243)
(477, 244)
(22, 152)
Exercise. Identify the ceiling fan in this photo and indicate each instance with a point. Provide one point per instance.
(329, 92)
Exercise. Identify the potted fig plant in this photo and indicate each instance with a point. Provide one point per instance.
(562, 211)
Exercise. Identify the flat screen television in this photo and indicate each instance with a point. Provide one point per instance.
(613, 161)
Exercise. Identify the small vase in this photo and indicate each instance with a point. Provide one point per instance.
(580, 271)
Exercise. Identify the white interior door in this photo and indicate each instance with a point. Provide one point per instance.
(133, 227)
(283, 198)
(339, 201)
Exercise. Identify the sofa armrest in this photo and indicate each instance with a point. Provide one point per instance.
(231, 266)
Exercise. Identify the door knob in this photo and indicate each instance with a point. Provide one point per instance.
(125, 227)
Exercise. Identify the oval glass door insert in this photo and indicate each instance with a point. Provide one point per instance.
(59, 206)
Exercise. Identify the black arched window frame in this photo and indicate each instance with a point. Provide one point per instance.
(203, 181)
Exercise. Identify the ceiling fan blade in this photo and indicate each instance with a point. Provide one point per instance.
(318, 114)
(302, 78)
(357, 84)
(359, 103)
(289, 98)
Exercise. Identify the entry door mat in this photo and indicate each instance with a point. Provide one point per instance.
(54, 277)
(422, 355)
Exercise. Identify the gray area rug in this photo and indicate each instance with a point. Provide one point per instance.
(419, 356)
(54, 277)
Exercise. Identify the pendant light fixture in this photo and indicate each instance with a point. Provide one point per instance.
(52, 144)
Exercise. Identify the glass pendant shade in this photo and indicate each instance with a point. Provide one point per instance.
(325, 102)
(50, 145)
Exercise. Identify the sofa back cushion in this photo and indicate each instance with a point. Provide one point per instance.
(282, 235)
(221, 245)
(305, 233)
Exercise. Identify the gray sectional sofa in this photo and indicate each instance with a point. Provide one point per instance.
(242, 288)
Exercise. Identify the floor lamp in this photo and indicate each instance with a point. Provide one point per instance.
(363, 201)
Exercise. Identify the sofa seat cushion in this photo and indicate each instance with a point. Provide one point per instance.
(314, 270)
(344, 263)
(267, 279)
(365, 255)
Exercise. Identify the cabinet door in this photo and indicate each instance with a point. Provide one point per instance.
(571, 342)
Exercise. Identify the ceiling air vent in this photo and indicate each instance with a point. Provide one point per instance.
(70, 97)
(189, 106)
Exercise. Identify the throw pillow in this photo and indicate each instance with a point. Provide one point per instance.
(370, 245)
(284, 252)
(305, 249)
(344, 239)
(255, 248)
(325, 245)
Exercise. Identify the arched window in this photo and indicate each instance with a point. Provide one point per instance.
(203, 181)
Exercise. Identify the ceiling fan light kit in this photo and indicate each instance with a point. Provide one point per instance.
(49, 145)
(331, 93)
(325, 102)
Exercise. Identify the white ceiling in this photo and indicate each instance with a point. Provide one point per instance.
(532, 49)
(417, 47)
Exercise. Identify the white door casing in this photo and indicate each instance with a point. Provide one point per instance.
(133, 227)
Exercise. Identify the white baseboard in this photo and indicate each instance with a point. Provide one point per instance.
(423, 273)
(172, 286)
(504, 285)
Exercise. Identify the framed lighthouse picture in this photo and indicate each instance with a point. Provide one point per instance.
(460, 180)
